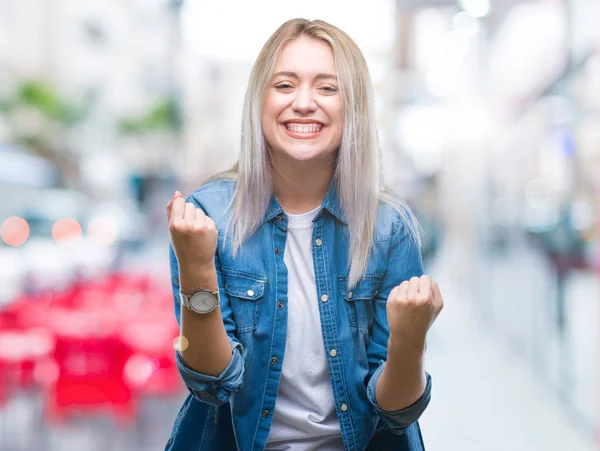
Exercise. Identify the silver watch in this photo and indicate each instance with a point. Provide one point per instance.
(202, 301)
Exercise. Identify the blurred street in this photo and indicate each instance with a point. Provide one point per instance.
(485, 397)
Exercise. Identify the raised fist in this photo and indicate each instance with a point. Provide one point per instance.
(411, 308)
(193, 234)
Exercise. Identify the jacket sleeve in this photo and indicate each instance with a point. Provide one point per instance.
(404, 262)
(210, 389)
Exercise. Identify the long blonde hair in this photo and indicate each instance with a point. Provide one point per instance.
(358, 172)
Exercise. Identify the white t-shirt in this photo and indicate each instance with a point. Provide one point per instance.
(305, 417)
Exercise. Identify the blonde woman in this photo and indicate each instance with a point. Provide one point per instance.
(297, 278)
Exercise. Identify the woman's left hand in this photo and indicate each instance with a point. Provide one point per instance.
(412, 307)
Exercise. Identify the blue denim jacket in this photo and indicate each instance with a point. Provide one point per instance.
(235, 409)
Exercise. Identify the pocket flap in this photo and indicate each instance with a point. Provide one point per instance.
(248, 286)
(366, 288)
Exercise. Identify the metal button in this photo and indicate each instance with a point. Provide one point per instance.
(280, 304)
(280, 217)
(274, 360)
(343, 407)
(266, 413)
(175, 281)
(376, 292)
(277, 251)
(333, 353)
(318, 242)
(250, 293)
(349, 294)
(324, 298)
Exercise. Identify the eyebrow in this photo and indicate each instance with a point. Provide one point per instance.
(294, 75)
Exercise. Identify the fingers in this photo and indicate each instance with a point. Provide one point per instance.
(413, 288)
(438, 302)
(177, 208)
(170, 204)
(401, 290)
(189, 213)
(186, 213)
(417, 288)
(424, 289)
(201, 218)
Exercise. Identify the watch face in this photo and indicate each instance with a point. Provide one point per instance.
(203, 302)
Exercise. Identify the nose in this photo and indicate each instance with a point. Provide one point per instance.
(304, 102)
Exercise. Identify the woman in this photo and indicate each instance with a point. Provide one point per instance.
(305, 305)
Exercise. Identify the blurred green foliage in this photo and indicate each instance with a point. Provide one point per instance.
(47, 101)
(164, 115)
(44, 98)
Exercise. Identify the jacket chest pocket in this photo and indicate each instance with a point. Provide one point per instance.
(359, 301)
(244, 291)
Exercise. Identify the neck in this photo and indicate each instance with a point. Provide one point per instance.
(301, 186)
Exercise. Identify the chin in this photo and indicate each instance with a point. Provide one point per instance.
(305, 155)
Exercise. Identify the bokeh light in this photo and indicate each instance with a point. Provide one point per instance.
(66, 230)
(181, 343)
(103, 231)
(476, 8)
(14, 231)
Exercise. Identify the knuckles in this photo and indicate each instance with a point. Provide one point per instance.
(183, 227)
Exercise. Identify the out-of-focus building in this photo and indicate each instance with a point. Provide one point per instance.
(116, 60)
(498, 101)
(213, 95)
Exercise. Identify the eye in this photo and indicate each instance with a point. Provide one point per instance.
(329, 89)
(283, 86)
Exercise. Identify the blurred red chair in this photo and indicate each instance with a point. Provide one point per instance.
(152, 369)
(107, 341)
(90, 359)
(20, 351)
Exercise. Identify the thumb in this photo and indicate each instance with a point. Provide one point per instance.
(170, 204)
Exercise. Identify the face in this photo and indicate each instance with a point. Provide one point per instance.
(303, 112)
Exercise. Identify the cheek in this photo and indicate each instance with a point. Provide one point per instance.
(339, 123)
(335, 111)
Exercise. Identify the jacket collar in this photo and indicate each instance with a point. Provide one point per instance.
(331, 203)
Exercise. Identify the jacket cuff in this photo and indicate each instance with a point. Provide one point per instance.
(399, 420)
(215, 390)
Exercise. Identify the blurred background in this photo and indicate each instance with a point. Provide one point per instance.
(489, 116)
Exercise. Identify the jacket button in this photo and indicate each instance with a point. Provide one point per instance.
(277, 251)
(318, 242)
(274, 360)
(266, 413)
(280, 304)
(175, 281)
(324, 298)
(333, 353)
(343, 407)
(250, 293)
(349, 294)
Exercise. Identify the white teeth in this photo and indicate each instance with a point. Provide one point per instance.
(310, 128)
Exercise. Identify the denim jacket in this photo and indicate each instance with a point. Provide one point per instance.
(234, 410)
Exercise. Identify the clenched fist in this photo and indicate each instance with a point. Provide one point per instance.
(193, 234)
(412, 307)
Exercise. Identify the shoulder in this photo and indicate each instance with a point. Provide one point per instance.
(214, 197)
(214, 187)
(395, 219)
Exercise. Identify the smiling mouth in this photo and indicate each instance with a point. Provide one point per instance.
(303, 128)
(303, 131)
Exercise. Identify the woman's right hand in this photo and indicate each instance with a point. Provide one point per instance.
(193, 234)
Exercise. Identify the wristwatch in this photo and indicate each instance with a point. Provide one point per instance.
(202, 301)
